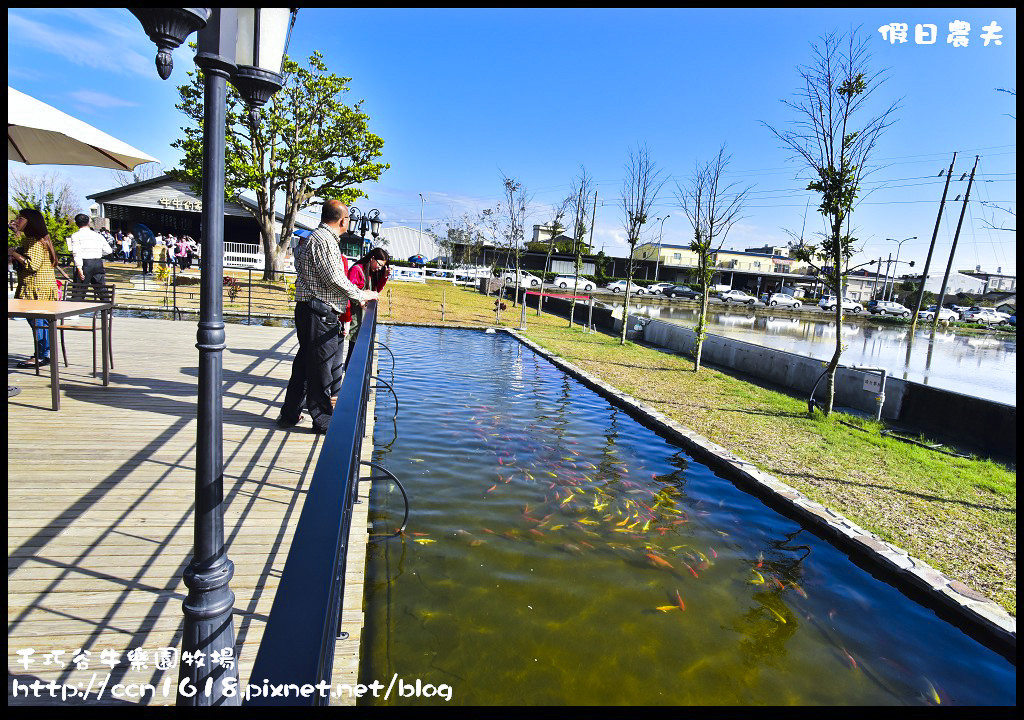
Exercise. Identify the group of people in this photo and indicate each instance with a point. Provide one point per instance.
(328, 296)
(181, 250)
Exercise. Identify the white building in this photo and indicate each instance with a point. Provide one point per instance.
(957, 283)
(404, 242)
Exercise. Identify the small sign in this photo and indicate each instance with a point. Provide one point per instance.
(873, 383)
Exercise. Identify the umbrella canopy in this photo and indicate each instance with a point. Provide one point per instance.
(38, 134)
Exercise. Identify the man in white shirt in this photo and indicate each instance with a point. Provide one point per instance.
(88, 248)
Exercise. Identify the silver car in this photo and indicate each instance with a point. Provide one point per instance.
(784, 300)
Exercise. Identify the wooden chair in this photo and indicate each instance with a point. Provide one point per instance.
(82, 292)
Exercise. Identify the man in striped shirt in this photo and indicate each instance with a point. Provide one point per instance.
(322, 293)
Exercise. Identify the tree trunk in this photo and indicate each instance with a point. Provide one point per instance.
(702, 329)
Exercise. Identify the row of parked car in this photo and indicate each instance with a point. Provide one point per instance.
(989, 316)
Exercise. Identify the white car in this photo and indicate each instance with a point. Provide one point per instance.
(620, 286)
(945, 314)
(784, 300)
(829, 303)
(737, 296)
(987, 315)
(569, 281)
(659, 288)
(525, 279)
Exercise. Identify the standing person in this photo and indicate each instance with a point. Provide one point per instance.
(34, 262)
(126, 246)
(146, 244)
(88, 248)
(183, 253)
(322, 292)
(372, 271)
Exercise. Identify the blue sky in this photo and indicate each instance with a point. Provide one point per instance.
(460, 96)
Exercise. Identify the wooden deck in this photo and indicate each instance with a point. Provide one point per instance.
(100, 499)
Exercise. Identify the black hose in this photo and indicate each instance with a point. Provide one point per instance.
(389, 474)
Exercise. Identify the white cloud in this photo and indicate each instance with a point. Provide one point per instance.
(100, 100)
(80, 49)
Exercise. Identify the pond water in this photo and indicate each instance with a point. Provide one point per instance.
(558, 552)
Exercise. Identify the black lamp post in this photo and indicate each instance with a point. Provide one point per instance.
(360, 224)
(246, 46)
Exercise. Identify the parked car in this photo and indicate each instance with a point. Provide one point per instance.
(987, 315)
(658, 288)
(829, 303)
(569, 281)
(945, 314)
(888, 307)
(784, 300)
(684, 291)
(737, 296)
(620, 286)
(958, 309)
(525, 279)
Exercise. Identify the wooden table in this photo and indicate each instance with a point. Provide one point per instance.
(52, 311)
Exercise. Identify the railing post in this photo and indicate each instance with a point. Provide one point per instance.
(174, 291)
(248, 311)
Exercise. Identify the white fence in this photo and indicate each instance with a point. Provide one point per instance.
(408, 274)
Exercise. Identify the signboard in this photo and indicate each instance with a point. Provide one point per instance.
(179, 203)
(873, 383)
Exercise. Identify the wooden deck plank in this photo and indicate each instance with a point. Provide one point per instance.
(100, 501)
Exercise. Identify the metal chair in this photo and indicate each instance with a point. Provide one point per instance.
(81, 292)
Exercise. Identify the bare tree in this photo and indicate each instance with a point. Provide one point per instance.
(516, 201)
(579, 197)
(639, 192)
(835, 134)
(146, 171)
(712, 209)
(558, 211)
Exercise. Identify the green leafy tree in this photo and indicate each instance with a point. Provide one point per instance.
(712, 209)
(835, 134)
(306, 144)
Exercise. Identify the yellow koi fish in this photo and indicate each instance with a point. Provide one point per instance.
(668, 608)
(424, 541)
(759, 578)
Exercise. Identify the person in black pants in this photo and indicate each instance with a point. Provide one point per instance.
(88, 248)
(322, 291)
(146, 245)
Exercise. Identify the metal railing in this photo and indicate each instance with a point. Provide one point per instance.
(305, 619)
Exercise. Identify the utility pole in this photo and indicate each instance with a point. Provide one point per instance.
(593, 221)
(885, 282)
(949, 265)
(874, 285)
(931, 248)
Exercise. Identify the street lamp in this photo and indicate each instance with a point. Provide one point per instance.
(359, 223)
(657, 261)
(245, 46)
(899, 246)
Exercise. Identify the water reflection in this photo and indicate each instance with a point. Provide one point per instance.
(983, 366)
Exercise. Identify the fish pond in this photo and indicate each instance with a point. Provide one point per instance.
(558, 552)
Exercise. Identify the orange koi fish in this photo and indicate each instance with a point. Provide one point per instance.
(491, 487)
(760, 560)
(849, 657)
(692, 571)
(659, 560)
(420, 534)
(679, 601)
(537, 532)
(799, 590)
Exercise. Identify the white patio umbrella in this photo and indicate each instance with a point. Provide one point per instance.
(38, 134)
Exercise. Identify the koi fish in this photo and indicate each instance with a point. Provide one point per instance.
(799, 590)
(759, 577)
(679, 601)
(488, 530)
(933, 695)
(776, 614)
(556, 527)
(584, 542)
(588, 521)
(424, 541)
(491, 487)
(537, 532)
(646, 525)
(692, 571)
(568, 497)
(778, 582)
(420, 534)
(713, 553)
(853, 663)
(667, 608)
(760, 560)
(659, 560)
